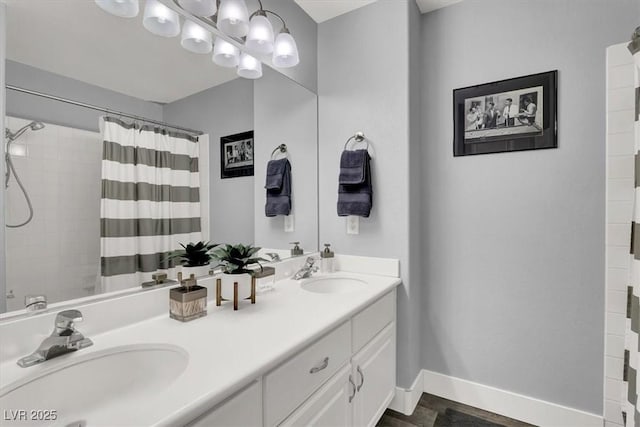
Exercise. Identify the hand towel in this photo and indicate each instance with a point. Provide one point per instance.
(355, 192)
(278, 185)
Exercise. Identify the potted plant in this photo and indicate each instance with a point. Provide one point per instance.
(235, 261)
(194, 258)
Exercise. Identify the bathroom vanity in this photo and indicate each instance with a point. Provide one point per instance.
(319, 351)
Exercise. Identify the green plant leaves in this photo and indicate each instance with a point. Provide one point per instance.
(193, 254)
(236, 258)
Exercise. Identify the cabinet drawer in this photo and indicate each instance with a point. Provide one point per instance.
(373, 319)
(294, 381)
(328, 407)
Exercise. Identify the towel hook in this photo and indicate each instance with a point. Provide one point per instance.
(282, 148)
(358, 137)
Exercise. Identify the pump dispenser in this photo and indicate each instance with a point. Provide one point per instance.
(296, 250)
(327, 258)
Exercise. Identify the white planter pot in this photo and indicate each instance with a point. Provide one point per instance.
(244, 285)
(199, 271)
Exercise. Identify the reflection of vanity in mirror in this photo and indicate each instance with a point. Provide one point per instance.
(98, 215)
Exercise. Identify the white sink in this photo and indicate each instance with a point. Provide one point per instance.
(83, 385)
(333, 285)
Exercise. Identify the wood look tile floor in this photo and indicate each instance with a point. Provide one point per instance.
(430, 412)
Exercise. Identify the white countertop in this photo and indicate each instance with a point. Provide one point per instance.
(227, 349)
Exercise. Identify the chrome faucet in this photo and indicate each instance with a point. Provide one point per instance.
(65, 338)
(306, 270)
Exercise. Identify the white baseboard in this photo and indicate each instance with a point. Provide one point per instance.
(406, 400)
(513, 405)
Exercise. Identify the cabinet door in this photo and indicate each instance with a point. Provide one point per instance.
(329, 406)
(374, 372)
(243, 409)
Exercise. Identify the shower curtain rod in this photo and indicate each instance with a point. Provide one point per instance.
(103, 109)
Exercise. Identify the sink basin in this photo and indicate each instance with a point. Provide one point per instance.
(333, 285)
(112, 378)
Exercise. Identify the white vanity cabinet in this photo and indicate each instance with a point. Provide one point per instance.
(358, 394)
(345, 378)
(374, 373)
(243, 409)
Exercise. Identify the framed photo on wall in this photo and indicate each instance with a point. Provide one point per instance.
(507, 115)
(236, 155)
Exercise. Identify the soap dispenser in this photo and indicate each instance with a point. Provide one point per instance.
(327, 257)
(296, 250)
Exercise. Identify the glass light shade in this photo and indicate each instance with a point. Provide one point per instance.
(121, 8)
(249, 67)
(233, 18)
(199, 7)
(195, 38)
(260, 37)
(160, 20)
(225, 54)
(285, 51)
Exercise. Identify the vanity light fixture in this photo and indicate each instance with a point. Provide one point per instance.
(249, 67)
(260, 37)
(121, 8)
(199, 7)
(285, 51)
(225, 54)
(160, 20)
(234, 28)
(195, 38)
(233, 18)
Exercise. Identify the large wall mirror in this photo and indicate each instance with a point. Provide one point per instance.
(93, 203)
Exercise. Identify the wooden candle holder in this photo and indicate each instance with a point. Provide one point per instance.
(219, 298)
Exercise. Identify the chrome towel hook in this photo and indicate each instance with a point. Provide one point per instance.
(282, 148)
(357, 137)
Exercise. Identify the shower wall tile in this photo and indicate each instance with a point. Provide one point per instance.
(617, 302)
(620, 144)
(615, 346)
(620, 76)
(618, 235)
(62, 175)
(617, 278)
(621, 99)
(620, 122)
(619, 212)
(621, 166)
(620, 189)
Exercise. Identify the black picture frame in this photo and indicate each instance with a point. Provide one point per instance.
(236, 155)
(523, 124)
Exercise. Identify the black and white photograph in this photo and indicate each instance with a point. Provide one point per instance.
(236, 155)
(509, 115)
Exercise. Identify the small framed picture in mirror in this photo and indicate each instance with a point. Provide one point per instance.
(508, 115)
(236, 155)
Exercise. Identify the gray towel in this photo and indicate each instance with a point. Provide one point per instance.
(278, 185)
(355, 193)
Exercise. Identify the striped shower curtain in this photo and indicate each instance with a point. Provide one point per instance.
(150, 200)
(630, 406)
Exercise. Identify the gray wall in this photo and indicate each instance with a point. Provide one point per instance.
(363, 84)
(305, 31)
(410, 337)
(285, 112)
(514, 242)
(3, 52)
(220, 111)
(49, 111)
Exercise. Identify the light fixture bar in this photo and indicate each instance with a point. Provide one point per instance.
(206, 23)
(210, 25)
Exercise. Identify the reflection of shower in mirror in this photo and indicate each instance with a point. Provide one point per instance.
(11, 137)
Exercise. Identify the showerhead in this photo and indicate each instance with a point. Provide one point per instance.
(13, 136)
